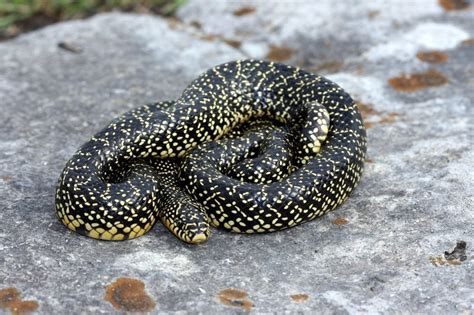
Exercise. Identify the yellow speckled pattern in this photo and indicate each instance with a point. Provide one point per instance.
(250, 146)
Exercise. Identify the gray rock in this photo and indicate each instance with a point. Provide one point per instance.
(414, 202)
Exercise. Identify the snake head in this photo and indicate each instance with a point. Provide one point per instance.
(187, 220)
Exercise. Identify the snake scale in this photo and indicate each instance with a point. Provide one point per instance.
(250, 146)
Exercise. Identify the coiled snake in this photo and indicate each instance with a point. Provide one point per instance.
(250, 146)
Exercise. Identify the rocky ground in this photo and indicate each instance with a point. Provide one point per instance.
(408, 64)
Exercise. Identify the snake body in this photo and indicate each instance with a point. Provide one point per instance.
(250, 146)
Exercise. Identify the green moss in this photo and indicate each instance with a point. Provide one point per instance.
(14, 12)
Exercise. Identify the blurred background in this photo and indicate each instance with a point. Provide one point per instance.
(17, 16)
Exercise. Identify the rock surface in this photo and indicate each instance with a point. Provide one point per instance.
(408, 63)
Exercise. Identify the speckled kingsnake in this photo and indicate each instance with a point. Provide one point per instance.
(250, 146)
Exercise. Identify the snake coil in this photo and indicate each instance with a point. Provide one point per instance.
(250, 146)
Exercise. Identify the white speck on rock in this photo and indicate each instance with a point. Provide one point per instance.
(374, 305)
(366, 89)
(179, 49)
(338, 298)
(254, 49)
(169, 262)
(439, 36)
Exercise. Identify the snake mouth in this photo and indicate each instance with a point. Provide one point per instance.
(187, 236)
(199, 238)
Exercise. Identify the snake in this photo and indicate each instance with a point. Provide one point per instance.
(250, 146)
